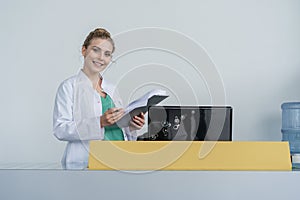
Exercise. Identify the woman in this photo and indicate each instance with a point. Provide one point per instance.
(87, 107)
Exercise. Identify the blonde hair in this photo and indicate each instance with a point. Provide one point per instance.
(98, 33)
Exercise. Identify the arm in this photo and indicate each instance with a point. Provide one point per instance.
(65, 128)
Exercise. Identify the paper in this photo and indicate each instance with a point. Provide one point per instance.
(142, 104)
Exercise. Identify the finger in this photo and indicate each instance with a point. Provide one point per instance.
(141, 115)
(111, 120)
(118, 115)
(115, 110)
(138, 122)
(140, 119)
(120, 109)
(114, 113)
(117, 118)
(136, 126)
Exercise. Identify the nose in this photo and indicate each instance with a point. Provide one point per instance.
(101, 55)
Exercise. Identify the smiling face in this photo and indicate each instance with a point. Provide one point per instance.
(97, 55)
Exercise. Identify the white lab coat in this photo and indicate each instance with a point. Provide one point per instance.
(76, 118)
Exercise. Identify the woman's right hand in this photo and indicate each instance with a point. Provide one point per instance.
(111, 116)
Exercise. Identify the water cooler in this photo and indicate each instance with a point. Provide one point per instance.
(291, 129)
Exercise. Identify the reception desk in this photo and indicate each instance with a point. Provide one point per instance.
(189, 176)
(63, 184)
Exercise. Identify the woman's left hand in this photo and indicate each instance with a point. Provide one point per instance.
(137, 122)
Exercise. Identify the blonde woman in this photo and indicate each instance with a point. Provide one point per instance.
(87, 107)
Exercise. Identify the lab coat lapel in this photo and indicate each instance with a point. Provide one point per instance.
(112, 92)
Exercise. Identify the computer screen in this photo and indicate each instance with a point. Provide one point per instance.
(189, 123)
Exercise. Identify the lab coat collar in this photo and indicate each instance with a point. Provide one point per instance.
(107, 87)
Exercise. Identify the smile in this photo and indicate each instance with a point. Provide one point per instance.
(98, 64)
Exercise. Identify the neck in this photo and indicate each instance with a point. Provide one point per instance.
(94, 77)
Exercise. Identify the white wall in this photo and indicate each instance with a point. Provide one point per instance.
(255, 46)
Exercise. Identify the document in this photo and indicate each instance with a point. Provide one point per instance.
(142, 104)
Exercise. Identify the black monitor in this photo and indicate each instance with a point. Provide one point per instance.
(189, 123)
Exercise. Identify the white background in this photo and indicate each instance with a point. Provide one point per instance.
(255, 46)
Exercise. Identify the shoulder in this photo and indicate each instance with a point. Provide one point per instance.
(67, 85)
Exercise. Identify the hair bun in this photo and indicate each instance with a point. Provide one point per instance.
(102, 31)
(98, 33)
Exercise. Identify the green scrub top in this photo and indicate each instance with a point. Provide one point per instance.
(112, 132)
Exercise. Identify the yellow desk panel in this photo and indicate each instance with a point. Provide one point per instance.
(189, 155)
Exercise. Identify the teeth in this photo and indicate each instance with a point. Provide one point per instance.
(97, 63)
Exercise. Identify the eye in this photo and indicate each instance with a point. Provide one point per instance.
(107, 54)
(96, 49)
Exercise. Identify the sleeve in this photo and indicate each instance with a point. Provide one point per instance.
(65, 126)
(131, 135)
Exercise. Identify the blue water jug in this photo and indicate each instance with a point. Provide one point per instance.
(291, 129)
